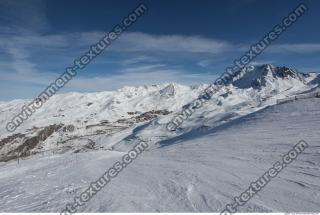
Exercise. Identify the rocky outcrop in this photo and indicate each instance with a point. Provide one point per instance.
(168, 91)
(11, 139)
(28, 144)
(146, 116)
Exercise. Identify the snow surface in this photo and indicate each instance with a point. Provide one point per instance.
(215, 155)
(193, 173)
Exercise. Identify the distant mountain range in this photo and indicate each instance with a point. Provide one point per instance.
(109, 120)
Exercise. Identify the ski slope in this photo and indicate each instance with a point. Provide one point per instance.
(214, 155)
(197, 171)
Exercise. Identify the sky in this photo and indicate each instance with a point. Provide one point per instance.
(188, 42)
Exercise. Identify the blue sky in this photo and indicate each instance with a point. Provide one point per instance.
(188, 42)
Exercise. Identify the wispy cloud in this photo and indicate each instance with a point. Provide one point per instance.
(141, 59)
(20, 51)
(31, 57)
(21, 38)
(204, 63)
(302, 48)
(138, 41)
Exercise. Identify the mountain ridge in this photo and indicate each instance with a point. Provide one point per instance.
(108, 118)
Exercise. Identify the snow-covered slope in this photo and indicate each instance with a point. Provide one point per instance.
(269, 76)
(77, 120)
(193, 173)
(68, 142)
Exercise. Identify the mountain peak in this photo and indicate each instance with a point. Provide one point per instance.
(262, 75)
(168, 90)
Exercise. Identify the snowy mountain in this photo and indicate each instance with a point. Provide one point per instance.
(271, 77)
(97, 127)
(71, 121)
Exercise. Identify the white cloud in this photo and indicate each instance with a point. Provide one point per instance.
(143, 68)
(300, 48)
(139, 59)
(22, 39)
(138, 41)
(131, 50)
(142, 42)
(204, 63)
(21, 49)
